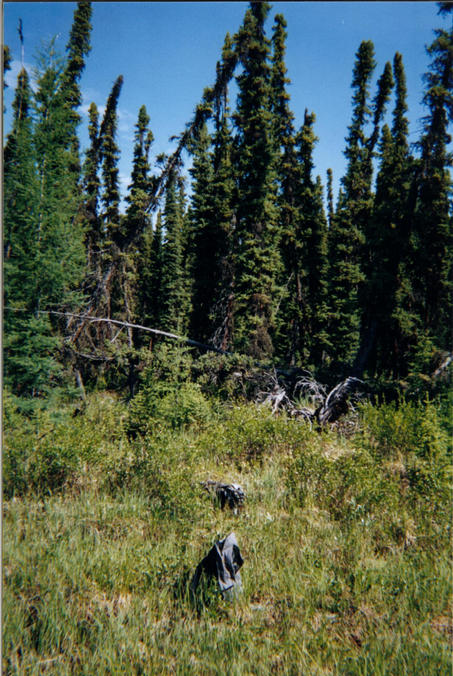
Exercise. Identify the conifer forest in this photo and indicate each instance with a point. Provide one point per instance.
(190, 335)
(253, 263)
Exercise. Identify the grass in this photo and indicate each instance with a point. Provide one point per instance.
(345, 540)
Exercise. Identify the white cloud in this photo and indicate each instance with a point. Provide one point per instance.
(16, 67)
(124, 181)
(126, 122)
(126, 116)
(126, 119)
(85, 107)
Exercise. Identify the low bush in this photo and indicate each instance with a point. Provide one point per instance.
(167, 397)
(163, 468)
(247, 432)
(412, 441)
(351, 488)
(45, 450)
(404, 427)
(229, 377)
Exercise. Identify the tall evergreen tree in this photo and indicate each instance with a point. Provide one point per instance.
(203, 244)
(6, 62)
(350, 227)
(136, 275)
(433, 219)
(346, 236)
(330, 207)
(44, 253)
(20, 188)
(256, 243)
(311, 243)
(224, 203)
(172, 292)
(288, 179)
(136, 214)
(224, 211)
(156, 270)
(77, 49)
(110, 155)
(388, 240)
(149, 272)
(317, 279)
(20, 268)
(50, 238)
(6, 67)
(186, 286)
(91, 185)
(283, 118)
(366, 224)
(59, 235)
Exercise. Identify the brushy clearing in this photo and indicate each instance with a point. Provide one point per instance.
(345, 537)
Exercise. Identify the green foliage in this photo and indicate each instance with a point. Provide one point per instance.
(247, 433)
(405, 427)
(203, 244)
(172, 305)
(47, 450)
(346, 540)
(250, 265)
(347, 236)
(137, 219)
(414, 440)
(342, 544)
(77, 49)
(91, 184)
(227, 377)
(167, 399)
(163, 469)
(171, 406)
(350, 487)
(433, 218)
(6, 62)
(388, 282)
(31, 367)
(44, 241)
(110, 154)
(256, 257)
(311, 271)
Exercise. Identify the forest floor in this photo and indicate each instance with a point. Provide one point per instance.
(345, 535)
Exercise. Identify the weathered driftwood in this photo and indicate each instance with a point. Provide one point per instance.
(442, 370)
(330, 408)
(336, 403)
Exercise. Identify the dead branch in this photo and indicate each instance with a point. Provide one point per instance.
(441, 370)
(94, 320)
(330, 408)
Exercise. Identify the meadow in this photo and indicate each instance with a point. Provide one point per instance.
(345, 535)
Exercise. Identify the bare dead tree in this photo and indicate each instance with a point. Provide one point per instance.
(330, 407)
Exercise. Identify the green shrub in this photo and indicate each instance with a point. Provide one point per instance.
(351, 487)
(166, 396)
(404, 427)
(44, 451)
(173, 407)
(39, 465)
(228, 377)
(415, 437)
(163, 468)
(249, 432)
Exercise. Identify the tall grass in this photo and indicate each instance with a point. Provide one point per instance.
(345, 540)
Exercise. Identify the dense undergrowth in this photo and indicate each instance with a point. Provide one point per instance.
(345, 536)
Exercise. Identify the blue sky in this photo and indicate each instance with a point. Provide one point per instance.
(167, 52)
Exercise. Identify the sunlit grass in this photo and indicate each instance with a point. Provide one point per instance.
(346, 551)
